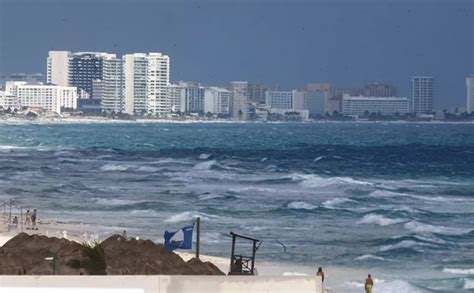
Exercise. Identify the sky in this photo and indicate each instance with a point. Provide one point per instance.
(288, 43)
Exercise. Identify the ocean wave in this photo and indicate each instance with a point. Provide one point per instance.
(318, 159)
(468, 284)
(419, 227)
(456, 271)
(114, 167)
(148, 169)
(115, 201)
(301, 205)
(190, 216)
(315, 181)
(404, 244)
(332, 203)
(207, 165)
(379, 220)
(204, 156)
(369, 257)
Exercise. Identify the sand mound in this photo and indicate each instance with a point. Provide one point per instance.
(25, 255)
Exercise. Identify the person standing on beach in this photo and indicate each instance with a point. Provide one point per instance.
(33, 219)
(28, 219)
(369, 283)
(320, 273)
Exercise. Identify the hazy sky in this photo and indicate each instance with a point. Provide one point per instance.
(287, 43)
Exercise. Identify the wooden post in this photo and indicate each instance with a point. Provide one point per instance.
(254, 249)
(198, 236)
(10, 217)
(232, 253)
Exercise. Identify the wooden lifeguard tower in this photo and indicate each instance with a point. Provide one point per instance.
(243, 264)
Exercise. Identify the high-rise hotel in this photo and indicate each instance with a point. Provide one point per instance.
(470, 94)
(422, 94)
(146, 81)
(97, 75)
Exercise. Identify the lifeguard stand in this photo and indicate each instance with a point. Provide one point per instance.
(241, 264)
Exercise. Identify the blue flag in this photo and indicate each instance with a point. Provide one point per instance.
(183, 239)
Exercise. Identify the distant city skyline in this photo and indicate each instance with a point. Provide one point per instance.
(279, 43)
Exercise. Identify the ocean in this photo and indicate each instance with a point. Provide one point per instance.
(396, 199)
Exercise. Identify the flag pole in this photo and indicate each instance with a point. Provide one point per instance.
(198, 235)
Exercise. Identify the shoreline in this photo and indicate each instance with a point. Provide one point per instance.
(101, 120)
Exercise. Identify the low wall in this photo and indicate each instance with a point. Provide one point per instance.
(158, 284)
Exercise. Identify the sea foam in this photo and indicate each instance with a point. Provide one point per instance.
(301, 205)
(207, 165)
(456, 271)
(379, 220)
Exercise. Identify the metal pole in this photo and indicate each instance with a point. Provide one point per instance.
(198, 236)
(21, 219)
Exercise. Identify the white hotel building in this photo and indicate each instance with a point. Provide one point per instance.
(358, 106)
(470, 94)
(217, 100)
(146, 83)
(48, 97)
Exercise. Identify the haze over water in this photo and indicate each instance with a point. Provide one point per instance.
(395, 199)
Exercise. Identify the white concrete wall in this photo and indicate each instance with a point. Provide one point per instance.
(158, 284)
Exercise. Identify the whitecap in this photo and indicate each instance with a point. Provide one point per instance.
(204, 165)
(148, 169)
(331, 203)
(204, 156)
(189, 216)
(419, 227)
(403, 244)
(301, 205)
(209, 196)
(395, 286)
(368, 257)
(318, 159)
(379, 220)
(315, 181)
(456, 271)
(468, 284)
(114, 167)
(114, 201)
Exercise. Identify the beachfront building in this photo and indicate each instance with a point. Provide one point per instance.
(240, 100)
(28, 77)
(192, 98)
(256, 92)
(146, 84)
(174, 95)
(470, 94)
(422, 95)
(360, 105)
(217, 100)
(48, 97)
(8, 101)
(109, 90)
(57, 71)
(295, 100)
(379, 90)
(279, 99)
(317, 98)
